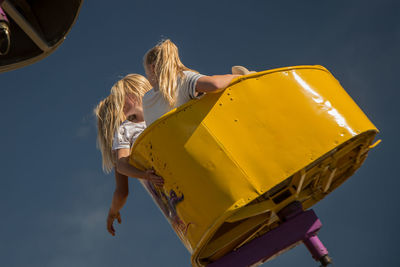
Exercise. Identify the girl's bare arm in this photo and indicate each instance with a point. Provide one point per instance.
(212, 83)
(118, 201)
(125, 168)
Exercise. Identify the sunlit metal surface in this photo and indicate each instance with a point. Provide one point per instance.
(325, 104)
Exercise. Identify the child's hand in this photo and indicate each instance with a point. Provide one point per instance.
(240, 70)
(110, 220)
(155, 179)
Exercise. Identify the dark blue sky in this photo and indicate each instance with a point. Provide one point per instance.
(53, 195)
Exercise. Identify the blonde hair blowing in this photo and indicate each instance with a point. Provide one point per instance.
(110, 114)
(167, 67)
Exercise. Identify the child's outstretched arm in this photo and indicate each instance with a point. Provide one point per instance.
(125, 168)
(118, 201)
(212, 83)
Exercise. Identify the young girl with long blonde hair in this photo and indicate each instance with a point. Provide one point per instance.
(173, 83)
(119, 122)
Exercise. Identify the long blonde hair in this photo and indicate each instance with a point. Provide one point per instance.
(109, 113)
(167, 68)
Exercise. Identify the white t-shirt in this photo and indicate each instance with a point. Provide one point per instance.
(127, 133)
(154, 104)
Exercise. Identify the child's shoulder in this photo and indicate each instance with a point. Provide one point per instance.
(191, 75)
(149, 93)
(150, 96)
(190, 72)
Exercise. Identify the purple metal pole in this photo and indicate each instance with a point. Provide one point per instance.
(311, 240)
(315, 246)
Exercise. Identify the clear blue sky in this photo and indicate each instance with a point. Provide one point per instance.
(53, 195)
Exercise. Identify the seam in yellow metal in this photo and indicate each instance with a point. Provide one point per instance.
(229, 154)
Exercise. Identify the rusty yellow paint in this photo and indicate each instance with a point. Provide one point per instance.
(270, 138)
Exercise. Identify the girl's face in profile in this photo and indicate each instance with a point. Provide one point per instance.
(132, 106)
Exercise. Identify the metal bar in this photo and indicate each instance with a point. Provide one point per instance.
(328, 184)
(251, 236)
(300, 185)
(25, 26)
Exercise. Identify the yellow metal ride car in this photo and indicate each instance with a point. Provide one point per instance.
(243, 165)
